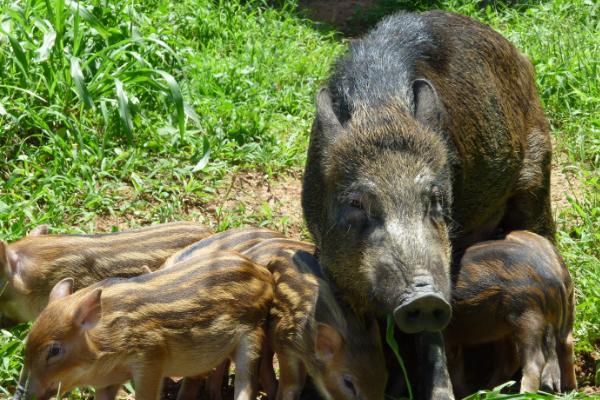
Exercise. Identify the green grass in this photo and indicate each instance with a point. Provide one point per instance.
(138, 111)
(142, 114)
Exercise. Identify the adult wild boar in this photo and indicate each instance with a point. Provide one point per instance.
(429, 136)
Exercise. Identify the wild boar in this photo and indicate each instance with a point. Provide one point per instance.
(428, 137)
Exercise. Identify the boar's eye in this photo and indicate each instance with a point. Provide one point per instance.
(356, 201)
(53, 350)
(353, 218)
(435, 202)
(353, 213)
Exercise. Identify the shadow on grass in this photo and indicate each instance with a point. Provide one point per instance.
(352, 18)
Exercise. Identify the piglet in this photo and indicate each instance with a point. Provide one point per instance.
(181, 321)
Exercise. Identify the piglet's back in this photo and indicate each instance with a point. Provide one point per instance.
(91, 258)
(202, 293)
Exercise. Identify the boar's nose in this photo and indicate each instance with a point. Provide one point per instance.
(426, 312)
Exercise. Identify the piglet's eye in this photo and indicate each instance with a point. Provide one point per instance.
(350, 385)
(53, 350)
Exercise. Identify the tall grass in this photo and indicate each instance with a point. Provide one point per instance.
(126, 107)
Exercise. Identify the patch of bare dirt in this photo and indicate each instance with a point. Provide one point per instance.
(258, 199)
(585, 369)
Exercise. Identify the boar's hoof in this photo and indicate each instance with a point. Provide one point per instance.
(423, 313)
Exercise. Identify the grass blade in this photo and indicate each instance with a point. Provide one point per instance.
(391, 341)
(124, 110)
(87, 16)
(177, 99)
(21, 59)
(80, 86)
(43, 53)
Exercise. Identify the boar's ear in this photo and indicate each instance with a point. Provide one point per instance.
(328, 343)
(328, 122)
(39, 230)
(3, 258)
(427, 107)
(89, 310)
(62, 289)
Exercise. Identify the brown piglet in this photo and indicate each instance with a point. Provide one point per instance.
(181, 321)
(31, 266)
(517, 294)
(310, 329)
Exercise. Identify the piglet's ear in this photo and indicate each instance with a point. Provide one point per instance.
(9, 267)
(328, 343)
(146, 269)
(39, 230)
(89, 310)
(61, 290)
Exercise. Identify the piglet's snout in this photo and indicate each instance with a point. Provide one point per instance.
(423, 310)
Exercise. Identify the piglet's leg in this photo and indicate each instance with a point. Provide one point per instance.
(530, 339)
(507, 360)
(148, 380)
(566, 361)
(267, 378)
(551, 371)
(456, 364)
(107, 392)
(189, 388)
(246, 358)
(215, 380)
(292, 376)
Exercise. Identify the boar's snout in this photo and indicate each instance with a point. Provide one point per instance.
(424, 309)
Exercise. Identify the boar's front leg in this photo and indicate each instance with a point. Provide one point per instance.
(434, 378)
